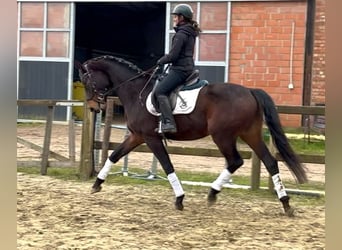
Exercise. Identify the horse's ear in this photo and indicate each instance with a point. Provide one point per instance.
(79, 66)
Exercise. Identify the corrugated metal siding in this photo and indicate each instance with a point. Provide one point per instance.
(42, 80)
(214, 74)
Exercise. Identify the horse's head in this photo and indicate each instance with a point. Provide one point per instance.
(104, 75)
(97, 86)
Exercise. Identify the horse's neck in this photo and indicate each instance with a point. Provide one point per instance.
(130, 91)
(134, 92)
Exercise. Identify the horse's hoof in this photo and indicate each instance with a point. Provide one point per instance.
(95, 189)
(289, 212)
(179, 203)
(212, 197)
(211, 200)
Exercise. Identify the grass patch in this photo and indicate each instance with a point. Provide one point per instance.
(298, 141)
(71, 174)
(302, 146)
(67, 174)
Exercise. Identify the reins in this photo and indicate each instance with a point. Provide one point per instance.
(154, 69)
(153, 73)
(147, 82)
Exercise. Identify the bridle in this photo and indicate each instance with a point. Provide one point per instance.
(101, 97)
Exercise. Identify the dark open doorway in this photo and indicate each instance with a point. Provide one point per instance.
(134, 31)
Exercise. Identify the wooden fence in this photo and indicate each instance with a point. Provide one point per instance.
(88, 144)
(45, 150)
(106, 145)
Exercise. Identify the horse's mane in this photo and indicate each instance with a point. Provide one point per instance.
(130, 65)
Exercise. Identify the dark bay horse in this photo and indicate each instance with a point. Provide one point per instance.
(225, 111)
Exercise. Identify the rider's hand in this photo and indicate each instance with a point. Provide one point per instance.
(159, 63)
(162, 61)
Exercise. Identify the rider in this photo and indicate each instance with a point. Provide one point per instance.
(181, 59)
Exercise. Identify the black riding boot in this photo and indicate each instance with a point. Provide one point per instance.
(168, 122)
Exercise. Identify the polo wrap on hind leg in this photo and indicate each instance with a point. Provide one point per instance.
(105, 169)
(223, 178)
(176, 185)
(279, 186)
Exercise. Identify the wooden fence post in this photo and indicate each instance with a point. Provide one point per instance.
(47, 140)
(71, 126)
(86, 168)
(273, 151)
(107, 129)
(256, 170)
(255, 177)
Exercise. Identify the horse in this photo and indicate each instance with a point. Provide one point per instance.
(225, 111)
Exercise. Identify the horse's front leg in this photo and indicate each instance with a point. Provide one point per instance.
(124, 148)
(157, 147)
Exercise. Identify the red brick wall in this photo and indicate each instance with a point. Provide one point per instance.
(260, 50)
(318, 67)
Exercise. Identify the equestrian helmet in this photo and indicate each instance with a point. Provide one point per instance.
(184, 10)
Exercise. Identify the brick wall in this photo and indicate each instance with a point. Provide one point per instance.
(260, 51)
(318, 67)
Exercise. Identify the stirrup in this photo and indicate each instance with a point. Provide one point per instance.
(159, 130)
(171, 129)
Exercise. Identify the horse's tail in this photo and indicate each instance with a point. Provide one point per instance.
(278, 136)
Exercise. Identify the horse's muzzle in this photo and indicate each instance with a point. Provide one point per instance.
(95, 110)
(94, 106)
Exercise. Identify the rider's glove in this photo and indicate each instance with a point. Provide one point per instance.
(162, 60)
(159, 63)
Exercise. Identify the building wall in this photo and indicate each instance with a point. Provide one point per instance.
(261, 46)
(318, 66)
(44, 56)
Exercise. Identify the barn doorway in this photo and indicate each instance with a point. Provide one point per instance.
(134, 31)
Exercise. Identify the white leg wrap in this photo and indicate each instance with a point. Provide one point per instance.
(176, 185)
(223, 178)
(105, 170)
(278, 186)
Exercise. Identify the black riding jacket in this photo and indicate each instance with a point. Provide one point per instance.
(182, 49)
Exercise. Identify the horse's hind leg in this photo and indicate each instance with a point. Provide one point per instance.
(234, 161)
(271, 164)
(272, 167)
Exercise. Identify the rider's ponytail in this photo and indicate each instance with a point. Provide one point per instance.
(196, 26)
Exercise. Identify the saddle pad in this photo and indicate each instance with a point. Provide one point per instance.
(184, 105)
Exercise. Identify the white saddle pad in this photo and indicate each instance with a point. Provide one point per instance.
(184, 105)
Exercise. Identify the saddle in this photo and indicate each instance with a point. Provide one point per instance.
(192, 82)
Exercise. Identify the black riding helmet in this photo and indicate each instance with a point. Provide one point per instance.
(184, 10)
